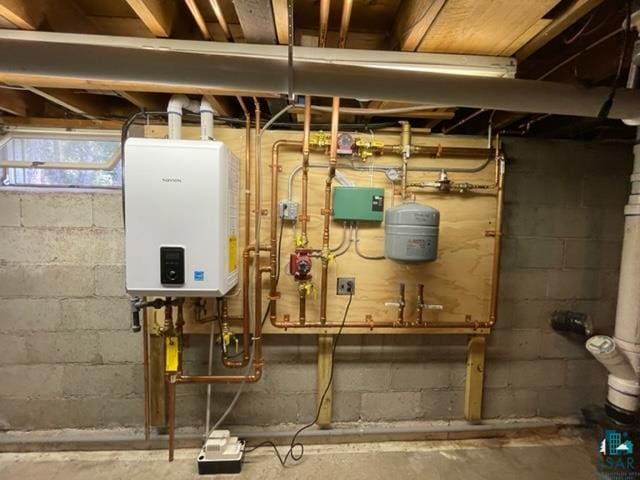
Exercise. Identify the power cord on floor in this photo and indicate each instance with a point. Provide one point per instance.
(294, 440)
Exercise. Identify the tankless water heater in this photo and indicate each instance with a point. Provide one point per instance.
(181, 217)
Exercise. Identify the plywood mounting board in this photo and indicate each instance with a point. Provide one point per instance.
(482, 27)
(460, 279)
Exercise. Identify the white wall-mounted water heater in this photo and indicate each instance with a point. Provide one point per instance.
(181, 217)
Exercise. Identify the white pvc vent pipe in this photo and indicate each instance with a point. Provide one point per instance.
(177, 103)
(621, 354)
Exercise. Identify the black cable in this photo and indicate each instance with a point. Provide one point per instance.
(294, 440)
(608, 103)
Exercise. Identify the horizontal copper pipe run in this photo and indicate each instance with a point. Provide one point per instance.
(373, 325)
(440, 151)
(220, 378)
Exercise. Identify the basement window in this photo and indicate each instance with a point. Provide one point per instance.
(98, 153)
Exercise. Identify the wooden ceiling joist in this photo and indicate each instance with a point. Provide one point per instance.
(223, 105)
(256, 20)
(413, 20)
(157, 15)
(24, 14)
(281, 18)
(577, 10)
(15, 102)
(199, 19)
(70, 101)
(48, 122)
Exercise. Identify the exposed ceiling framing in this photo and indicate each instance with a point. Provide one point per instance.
(533, 32)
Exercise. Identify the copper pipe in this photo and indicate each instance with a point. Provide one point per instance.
(273, 254)
(168, 317)
(324, 22)
(405, 141)
(373, 325)
(197, 16)
(326, 211)
(303, 307)
(347, 7)
(497, 248)
(420, 302)
(172, 415)
(401, 305)
(145, 366)
(304, 217)
(217, 11)
(440, 151)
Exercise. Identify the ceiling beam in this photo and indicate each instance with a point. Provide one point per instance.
(256, 20)
(89, 60)
(577, 10)
(24, 14)
(413, 21)
(157, 15)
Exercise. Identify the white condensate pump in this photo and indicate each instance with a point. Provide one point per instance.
(181, 217)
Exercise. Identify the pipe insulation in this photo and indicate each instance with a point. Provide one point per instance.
(101, 62)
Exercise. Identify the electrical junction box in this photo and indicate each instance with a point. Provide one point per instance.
(358, 203)
(181, 217)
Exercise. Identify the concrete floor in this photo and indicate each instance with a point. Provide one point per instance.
(523, 459)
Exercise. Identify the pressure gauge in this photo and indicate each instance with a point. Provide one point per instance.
(345, 144)
(392, 174)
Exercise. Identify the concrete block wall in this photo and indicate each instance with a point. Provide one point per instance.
(69, 360)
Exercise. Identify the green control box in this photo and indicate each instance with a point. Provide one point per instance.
(358, 203)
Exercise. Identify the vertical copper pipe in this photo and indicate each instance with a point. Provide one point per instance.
(215, 6)
(145, 366)
(402, 305)
(420, 301)
(326, 211)
(303, 307)
(347, 7)
(273, 230)
(172, 415)
(497, 248)
(335, 113)
(324, 22)
(405, 141)
(305, 170)
(256, 256)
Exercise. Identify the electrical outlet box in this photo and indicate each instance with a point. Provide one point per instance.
(346, 286)
(288, 210)
(358, 203)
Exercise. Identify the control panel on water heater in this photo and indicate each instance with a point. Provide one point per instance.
(171, 265)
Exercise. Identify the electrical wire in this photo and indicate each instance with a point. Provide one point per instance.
(608, 103)
(294, 440)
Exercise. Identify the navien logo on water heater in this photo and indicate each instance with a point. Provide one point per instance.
(172, 180)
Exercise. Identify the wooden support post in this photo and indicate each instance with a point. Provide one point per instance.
(475, 379)
(325, 347)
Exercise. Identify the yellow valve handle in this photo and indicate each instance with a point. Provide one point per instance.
(171, 355)
(226, 337)
(299, 241)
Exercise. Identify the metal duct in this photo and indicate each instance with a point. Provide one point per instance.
(136, 64)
